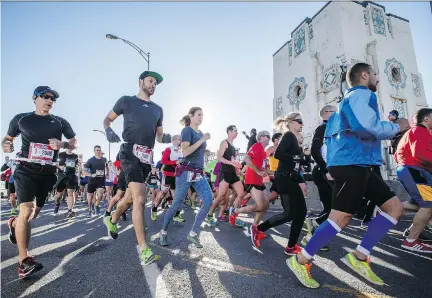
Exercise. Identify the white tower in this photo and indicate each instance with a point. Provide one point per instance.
(307, 70)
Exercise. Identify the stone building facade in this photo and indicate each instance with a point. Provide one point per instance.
(309, 69)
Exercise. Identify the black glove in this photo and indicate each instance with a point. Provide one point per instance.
(166, 138)
(111, 136)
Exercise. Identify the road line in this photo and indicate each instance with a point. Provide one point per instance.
(154, 279)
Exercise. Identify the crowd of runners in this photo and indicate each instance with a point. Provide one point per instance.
(346, 150)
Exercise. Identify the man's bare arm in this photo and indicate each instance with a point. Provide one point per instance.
(159, 134)
(110, 118)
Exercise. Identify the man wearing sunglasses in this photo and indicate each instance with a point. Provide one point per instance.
(41, 134)
(142, 125)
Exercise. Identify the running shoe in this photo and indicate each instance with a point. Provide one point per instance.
(179, 218)
(292, 251)
(429, 228)
(262, 235)
(211, 221)
(56, 209)
(362, 268)
(302, 272)
(28, 266)
(244, 202)
(148, 256)
(163, 239)
(417, 246)
(71, 214)
(222, 219)
(192, 205)
(89, 214)
(97, 210)
(425, 236)
(112, 228)
(234, 221)
(254, 235)
(195, 240)
(11, 237)
(107, 213)
(13, 211)
(153, 215)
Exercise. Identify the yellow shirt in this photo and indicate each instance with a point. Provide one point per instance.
(273, 163)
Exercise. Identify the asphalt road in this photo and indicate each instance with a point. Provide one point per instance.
(81, 261)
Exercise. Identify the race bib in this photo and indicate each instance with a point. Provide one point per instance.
(193, 177)
(143, 153)
(70, 163)
(100, 173)
(38, 151)
(153, 181)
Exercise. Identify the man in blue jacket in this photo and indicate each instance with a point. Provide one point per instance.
(353, 137)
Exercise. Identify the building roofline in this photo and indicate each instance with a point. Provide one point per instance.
(281, 47)
(397, 17)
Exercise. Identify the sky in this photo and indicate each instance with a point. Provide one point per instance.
(217, 56)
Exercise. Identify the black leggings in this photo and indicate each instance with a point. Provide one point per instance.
(294, 206)
(325, 192)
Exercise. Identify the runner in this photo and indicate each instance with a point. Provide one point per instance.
(320, 175)
(120, 190)
(353, 138)
(257, 169)
(170, 159)
(153, 183)
(142, 125)
(34, 176)
(111, 173)
(414, 158)
(190, 173)
(228, 177)
(94, 168)
(67, 179)
(273, 163)
(292, 188)
(11, 165)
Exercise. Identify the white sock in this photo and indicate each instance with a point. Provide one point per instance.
(192, 234)
(163, 232)
(410, 240)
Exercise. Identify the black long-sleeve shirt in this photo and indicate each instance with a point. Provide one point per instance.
(317, 143)
(285, 151)
(252, 140)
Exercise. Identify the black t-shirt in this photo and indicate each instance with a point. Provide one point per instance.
(96, 166)
(317, 147)
(228, 155)
(140, 120)
(69, 161)
(38, 129)
(285, 151)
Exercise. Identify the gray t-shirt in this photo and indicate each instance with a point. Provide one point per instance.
(96, 166)
(140, 120)
(196, 158)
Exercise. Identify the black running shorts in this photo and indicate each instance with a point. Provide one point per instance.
(11, 187)
(352, 183)
(66, 182)
(30, 185)
(248, 187)
(229, 177)
(95, 183)
(121, 183)
(169, 181)
(273, 186)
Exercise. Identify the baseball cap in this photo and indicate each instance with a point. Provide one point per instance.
(44, 89)
(153, 74)
(394, 113)
(253, 130)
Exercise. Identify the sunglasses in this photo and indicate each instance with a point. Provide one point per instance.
(47, 96)
(268, 136)
(299, 121)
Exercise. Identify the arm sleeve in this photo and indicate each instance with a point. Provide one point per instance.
(119, 106)
(420, 144)
(317, 143)
(159, 123)
(366, 123)
(282, 151)
(13, 130)
(67, 129)
(166, 158)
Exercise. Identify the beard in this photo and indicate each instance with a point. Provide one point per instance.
(372, 87)
(148, 91)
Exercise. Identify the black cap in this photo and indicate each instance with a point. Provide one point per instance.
(44, 89)
(152, 74)
(394, 113)
(253, 131)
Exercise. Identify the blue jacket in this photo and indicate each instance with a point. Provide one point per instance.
(354, 132)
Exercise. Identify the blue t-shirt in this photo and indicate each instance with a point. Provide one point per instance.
(196, 158)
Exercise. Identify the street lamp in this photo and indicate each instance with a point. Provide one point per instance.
(109, 144)
(143, 54)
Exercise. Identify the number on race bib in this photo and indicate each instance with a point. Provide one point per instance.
(70, 163)
(193, 177)
(143, 153)
(38, 151)
(100, 173)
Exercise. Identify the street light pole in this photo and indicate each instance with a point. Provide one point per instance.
(109, 144)
(143, 54)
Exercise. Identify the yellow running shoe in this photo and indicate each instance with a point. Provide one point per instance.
(362, 267)
(302, 272)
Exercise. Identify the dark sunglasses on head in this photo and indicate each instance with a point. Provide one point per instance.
(268, 136)
(299, 121)
(47, 96)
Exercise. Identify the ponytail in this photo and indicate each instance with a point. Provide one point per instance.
(185, 120)
(278, 124)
